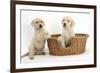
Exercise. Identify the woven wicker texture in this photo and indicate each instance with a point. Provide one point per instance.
(77, 46)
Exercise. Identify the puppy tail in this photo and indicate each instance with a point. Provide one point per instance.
(25, 55)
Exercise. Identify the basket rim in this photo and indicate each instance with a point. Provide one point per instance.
(84, 35)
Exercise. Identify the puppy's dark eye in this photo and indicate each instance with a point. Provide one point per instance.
(63, 20)
(41, 21)
(36, 22)
(68, 20)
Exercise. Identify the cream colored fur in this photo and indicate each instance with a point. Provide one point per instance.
(38, 41)
(67, 31)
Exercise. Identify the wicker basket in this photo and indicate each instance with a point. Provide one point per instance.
(77, 45)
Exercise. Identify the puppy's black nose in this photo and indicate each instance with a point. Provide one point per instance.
(40, 26)
(64, 24)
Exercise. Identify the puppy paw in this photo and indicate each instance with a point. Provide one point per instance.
(31, 57)
(43, 53)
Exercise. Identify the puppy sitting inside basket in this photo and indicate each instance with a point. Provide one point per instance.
(67, 43)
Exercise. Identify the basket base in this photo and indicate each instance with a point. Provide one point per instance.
(66, 54)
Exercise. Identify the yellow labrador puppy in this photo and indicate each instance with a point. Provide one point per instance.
(37, 44)
(67, 31)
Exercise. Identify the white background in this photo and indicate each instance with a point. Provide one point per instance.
(53, 25)
(5, 36)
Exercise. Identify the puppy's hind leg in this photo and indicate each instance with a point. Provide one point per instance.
(43, 53)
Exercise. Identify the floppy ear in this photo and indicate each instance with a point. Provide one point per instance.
(72, 23)
(32, 23)
(62, 20)
(43, 23)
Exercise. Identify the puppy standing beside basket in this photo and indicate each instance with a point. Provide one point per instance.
(37, 43)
